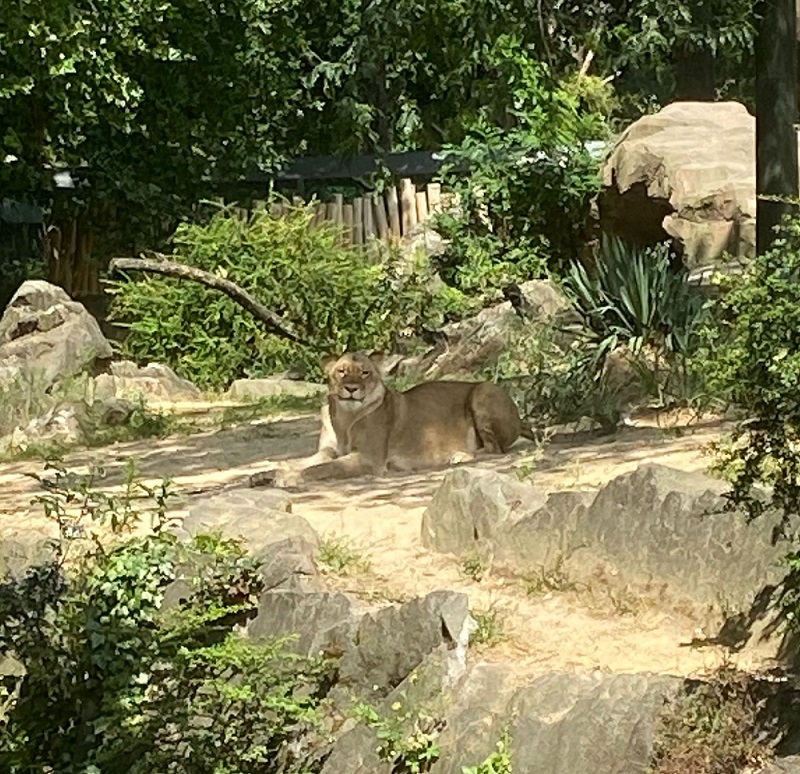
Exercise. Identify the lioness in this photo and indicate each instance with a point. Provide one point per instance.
(369, 428)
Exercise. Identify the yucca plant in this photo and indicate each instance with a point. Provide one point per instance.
(635, 296)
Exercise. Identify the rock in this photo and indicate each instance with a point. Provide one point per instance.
(686, 172)
(322, 621)
(476, 342)
(155, 382)
(476, 717)
(290, 565)
(788, 765)
(259, 518)
(657, 529)
(255, 389)
(23, 550)
(472, 507)
(566, 723)
(46, 337)
(422, 240)
(395, 640)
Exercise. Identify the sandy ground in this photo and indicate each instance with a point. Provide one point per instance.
(573, 630)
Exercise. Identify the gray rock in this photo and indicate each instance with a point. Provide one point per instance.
(654, 528)
(321, 621)
(254, 389)
(472, 507)
(476, 717)
(258, 517)
(46, 336)
(566, 723)
(789, 765)
(476, 342)
(154, 381)
(657, 183)
(290, 565)
(393, 641)
(22, 551)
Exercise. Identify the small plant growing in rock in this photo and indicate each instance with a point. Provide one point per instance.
(548, 580)
(714, 727)
(490, 629)
(408, 740)
(474, 567)
(499, 762)
(337, 555)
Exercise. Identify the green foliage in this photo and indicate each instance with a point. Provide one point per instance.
(499, 762)
(524, 203)
(557, 379)
(116, 682)
(407, 739)
(474, 566)
(714, 727)
(641, 298)
(490, 629)
(638, 297)
(338, 556)
(753, 349)
(335, 297)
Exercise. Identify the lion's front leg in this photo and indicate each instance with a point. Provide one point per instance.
(348, 466)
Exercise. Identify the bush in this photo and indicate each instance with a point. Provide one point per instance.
(640, 299)
(335, 297)
(115, 682)
(753, 348)
(524, 203)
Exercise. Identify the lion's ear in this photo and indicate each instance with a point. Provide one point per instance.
(327, 363)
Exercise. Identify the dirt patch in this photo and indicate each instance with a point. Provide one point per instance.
(572, 630)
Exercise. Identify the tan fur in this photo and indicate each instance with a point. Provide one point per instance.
(368, 428)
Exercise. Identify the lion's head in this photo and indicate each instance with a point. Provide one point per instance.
(354, 381)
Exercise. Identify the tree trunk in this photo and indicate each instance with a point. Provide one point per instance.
(694, 74)
(776, 111)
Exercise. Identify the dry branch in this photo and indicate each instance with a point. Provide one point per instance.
(241, 296)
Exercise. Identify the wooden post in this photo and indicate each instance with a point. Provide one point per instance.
(338, 204)
(330, 212)
(381, 224)
(358, 221)
(393, 206)
(408, 205)
(434, 198)
(347, 216)
(319, 214)
(422, 206)
(369, 228)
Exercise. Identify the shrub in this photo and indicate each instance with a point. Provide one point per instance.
(335, 297)
(115, 682)
(753, 347)
(524, 202)
(713, 727)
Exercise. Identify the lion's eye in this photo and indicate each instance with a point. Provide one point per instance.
(342, 372)
(365, 374)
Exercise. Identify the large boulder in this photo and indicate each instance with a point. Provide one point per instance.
(47, 337)
(686, 173)
(477, 342)
(155, 381)
(273, 387)
(259, 518)
(655, 529)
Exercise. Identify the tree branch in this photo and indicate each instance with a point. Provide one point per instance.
(242, 297)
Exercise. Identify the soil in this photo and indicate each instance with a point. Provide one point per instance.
(560, 629)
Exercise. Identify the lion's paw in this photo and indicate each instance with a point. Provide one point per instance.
(280, 478)
(461, 457)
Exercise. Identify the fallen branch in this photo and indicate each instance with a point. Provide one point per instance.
(241, 296)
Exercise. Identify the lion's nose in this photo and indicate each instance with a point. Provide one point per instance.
(351, 388)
